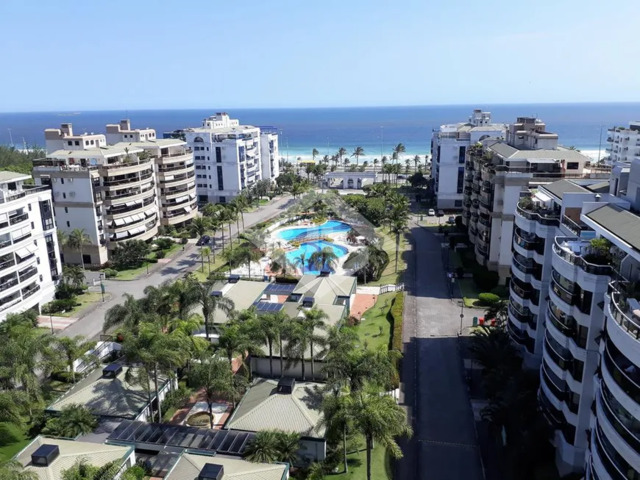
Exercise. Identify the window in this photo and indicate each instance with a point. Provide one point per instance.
(29, 207)
(461, 153)
(62, 181)
(66, 210)
(69, 142)
(458, 203)
(218, 155)
(64, 195)
(460, 178)
(68, 224)
(77, 143)
(32, 226)
(220, 179)
(573, 165)
(223, 199)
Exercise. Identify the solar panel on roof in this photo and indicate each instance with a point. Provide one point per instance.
(280, 288)
(268, 307)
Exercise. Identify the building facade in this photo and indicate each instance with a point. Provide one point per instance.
(497, 173)
(449, 145)
(574, 311)
(624, 143)
(29, 256)
(230, 157)
(116, 192)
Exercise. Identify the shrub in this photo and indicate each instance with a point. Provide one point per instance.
(396, 316)
(160, 254)
(353, 321)
(487, 299)
(164, 243)
(110, 273)
(57, 306)
(65, 291)
(177, 398)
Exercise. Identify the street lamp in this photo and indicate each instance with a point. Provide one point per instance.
(461, 314)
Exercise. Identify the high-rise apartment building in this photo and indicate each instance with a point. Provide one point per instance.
(573, 309)
(119, 191)
(230, 157)
(449, 145)
(499, 172)
(29, 255)
(624, 143)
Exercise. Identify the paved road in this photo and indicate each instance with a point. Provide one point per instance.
(444, 444)
(90, 325)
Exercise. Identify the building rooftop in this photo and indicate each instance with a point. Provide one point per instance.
(190, 465)
(511, 153)
(107, 397)
(243, 294)
(621, 223)
(559, 188)
(154, 142)
(263, 408)
(324, 290)
(599, 187)
(70, 452)
(108, 151)
(7, 176)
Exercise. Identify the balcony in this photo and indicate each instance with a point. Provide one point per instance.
(564, 323)
(528, 241)
(30, 290)
(562, 358)
(126, 180)
(18, 218)
(580, 253)
(623, 422)
(526, 266)
(615, 465)
(564, 293)
(523, 315)
(622, 293)
(520, 336)
(533, 212)
(624, 372)
(575, 228)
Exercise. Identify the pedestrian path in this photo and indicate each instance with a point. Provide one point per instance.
(56, 323)
(369, 290)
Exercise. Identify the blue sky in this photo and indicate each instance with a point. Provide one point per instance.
(132, 54)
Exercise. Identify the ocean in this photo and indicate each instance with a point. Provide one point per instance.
(376, 129)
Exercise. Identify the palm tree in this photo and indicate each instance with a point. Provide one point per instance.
(83, 470)
(74, 348)
(325, 258)
(206, 252)
(397, 227)
(497, 310)
(325, 159)
(398, 150)
(13, 470)
(73, 275)
(184, 294)
(300, 260)
(341, 153)
(215, 378)
(129, 314)
(358, 152)
(76, 240)
(298, 338)
(210, 303)
(237, 338)
(269, 326)
(263, 448)
(246, 254)
(199, 226)
(13, 405)
(280, 324)
(73, 420)
(375, 164)
(241, 204)
(287, 445)
(416, 161)
(314, 154)
(337, 417)
(378, 418)
(313, 320)
(280, 263)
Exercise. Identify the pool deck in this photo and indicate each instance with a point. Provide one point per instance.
(181, 414)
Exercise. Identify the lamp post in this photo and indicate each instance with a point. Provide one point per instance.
(461, 315)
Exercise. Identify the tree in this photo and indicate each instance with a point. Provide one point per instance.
(397, 227)
(13, 406)
(246, 254)
(73, 420)
(300, 261)
(378, 418)
(280, 263)
(263, 448)
(237, 338)
(341, 153)
(375, 164)
(206, 252)
(325, 258)
(199, 226)
(314, 154)
(314, 319)
(76, 240)
(287, 446)
(210, 303)
(130, 254)
(416, 162)
(269, 326)
(337, 417)
(74, 348)
(13, 470)
(215, 378)
(83, 470)
(398, 150)
(73, 275)
(357, 152)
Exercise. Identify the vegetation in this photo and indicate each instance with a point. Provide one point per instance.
(19, 161)
(72, 421)
(271, 446)
(397, 311)
(130, 254)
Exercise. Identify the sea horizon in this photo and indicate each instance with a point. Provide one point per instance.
(375, 128)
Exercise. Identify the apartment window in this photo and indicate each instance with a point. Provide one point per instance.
(68, 224)
(223, 199)
(220, 179)
(66, 210)
(458, 203)
(69, 142)
(62, 181)
(218, 155)
(32, 226)
(573, 165)
(207, 151)
(77, 142)
(92, 142)
(438, 157)
(209, 177)
(64, 195)
(41, 278)
(460, 178)
(461, 152)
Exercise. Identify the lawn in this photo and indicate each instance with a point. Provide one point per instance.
(215, 266)
(380, 465)
(12, 440)
(469, 291)
(84, 301)
(390, 276)
(134, 273)
(375, 318)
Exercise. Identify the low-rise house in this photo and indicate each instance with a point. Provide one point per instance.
(193, 466)
(107, 394)
(284, 405)
(48, 458)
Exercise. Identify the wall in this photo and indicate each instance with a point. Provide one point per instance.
(260, 367)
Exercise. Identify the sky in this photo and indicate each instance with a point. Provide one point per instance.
(143, 54)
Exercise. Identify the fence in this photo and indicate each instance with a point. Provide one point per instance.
(392, 288)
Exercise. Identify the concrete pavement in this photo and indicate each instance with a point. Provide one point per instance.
(90, 324)
(444, 445)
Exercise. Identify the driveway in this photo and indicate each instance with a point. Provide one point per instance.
(90, 324)
(444, 445)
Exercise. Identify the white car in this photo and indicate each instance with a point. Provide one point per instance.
(431, 212)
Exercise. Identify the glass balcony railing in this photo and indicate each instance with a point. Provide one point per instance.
(624, 372)
(540, 215)
(615, 465)
(528, 241)
(520, 336)
(626, 424)
(562, 248)
(563, 358)
(620, 310)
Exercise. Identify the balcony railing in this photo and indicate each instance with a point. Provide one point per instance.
(615, 465)
(573, 226)
(520, 336)
(526, 266)
(620, 311)
(627, 426)
(567, 325)
(544, 217)
(626, 375)
(578, 260)
(18, 218)
(27, 292)
(528, 241)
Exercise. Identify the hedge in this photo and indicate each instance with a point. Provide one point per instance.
(397, 308)
(487, 299)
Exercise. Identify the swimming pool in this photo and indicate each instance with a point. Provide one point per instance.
(300, 233)
(308, 248)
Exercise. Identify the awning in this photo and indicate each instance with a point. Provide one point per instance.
(150, 212)
(4, 217)
(169, 177)
(20, 232)
(192, 196)
(187, 209)
(542, 197)
(128, 220)
(130, 204)
(121, 234)
(182, 199)
(31, 248)
(119, 222)
(136, 230)
(23, 253)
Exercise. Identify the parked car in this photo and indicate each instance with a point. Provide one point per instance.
(203, 241)
(441, 213)
(451, 220)
(431, 212)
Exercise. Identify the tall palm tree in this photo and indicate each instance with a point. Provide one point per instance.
(288, 445)
(375, 164)
(13, 470)
(215, 378)
(325, 159)
(298, 339)
(314, 320)
(73, 275)
(76, 240)
(358, 152)
(210, 303)
(325, 258)
(300, 260)
(314, 154)
(236, 339)
(247, 253)
(74, 348)
(280, 263)
(341, 153)
(378, 418)
(199, 226)
(263, 448)
(416, 161)
(397, 227)
(269, 326)
(73, 420)
(338, 421)
(398, 150)
(128, 314)
(13, 406)
(185, 295)
(206, 252)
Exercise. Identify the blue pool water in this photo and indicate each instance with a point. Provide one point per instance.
(300, 233)
(308, 249)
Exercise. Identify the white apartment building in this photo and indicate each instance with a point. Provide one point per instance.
(624, 143)
(29, 255)
(230, 157)
(449, 146)
(498, 173)
(116, 192)
(574, 310)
